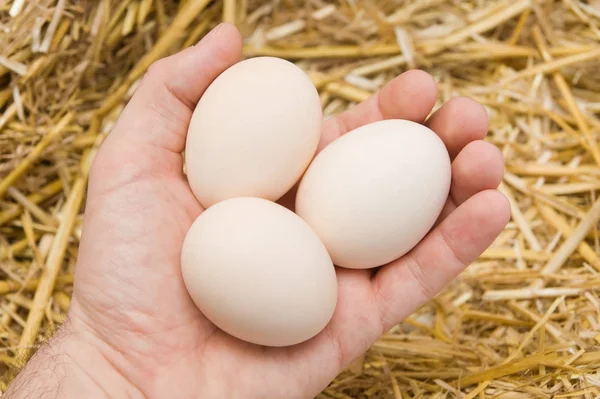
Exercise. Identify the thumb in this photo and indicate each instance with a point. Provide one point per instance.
(150, 135)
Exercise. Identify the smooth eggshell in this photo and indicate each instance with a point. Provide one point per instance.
(374, 193)
(253, 132)
(258, 272)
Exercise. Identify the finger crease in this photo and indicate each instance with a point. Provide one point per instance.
(188, 104)
(448, 243)
(417, 273)
(453, 202)
(384, 306)
(338, 351)
(340, 125)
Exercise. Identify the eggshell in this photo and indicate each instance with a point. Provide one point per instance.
(258, 272)
(253, 132)
(375, 192)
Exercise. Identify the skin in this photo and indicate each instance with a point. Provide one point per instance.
(133, 330)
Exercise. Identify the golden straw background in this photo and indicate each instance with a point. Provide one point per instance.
(522, 322)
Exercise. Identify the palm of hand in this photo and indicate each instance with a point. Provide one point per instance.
(128, 289)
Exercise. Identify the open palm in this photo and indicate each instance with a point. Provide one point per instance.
(129, 294)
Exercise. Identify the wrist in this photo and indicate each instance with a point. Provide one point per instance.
(71, 365)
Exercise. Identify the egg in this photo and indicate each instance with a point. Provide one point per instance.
(254, 132)
(375, 192)
(258, 272)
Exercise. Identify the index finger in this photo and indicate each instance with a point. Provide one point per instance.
(410, 96)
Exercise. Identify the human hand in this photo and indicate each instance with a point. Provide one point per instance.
(133, 329)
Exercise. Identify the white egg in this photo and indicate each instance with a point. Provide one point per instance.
(375, 192)
(258, 272)
(254, 132)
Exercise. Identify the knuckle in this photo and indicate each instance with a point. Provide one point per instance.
(156, 70)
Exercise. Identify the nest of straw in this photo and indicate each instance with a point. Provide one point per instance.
(523, 321)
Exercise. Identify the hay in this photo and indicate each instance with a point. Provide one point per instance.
(523, 321)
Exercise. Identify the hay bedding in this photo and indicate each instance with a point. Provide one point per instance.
(522, 322)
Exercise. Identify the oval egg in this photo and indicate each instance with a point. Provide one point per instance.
(253, 132)
(258, 272)
(375, 192)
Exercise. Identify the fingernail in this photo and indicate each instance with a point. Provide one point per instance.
(212, 32)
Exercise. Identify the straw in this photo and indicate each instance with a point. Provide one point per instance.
(522, 321)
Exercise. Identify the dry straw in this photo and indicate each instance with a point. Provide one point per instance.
(523, 321)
